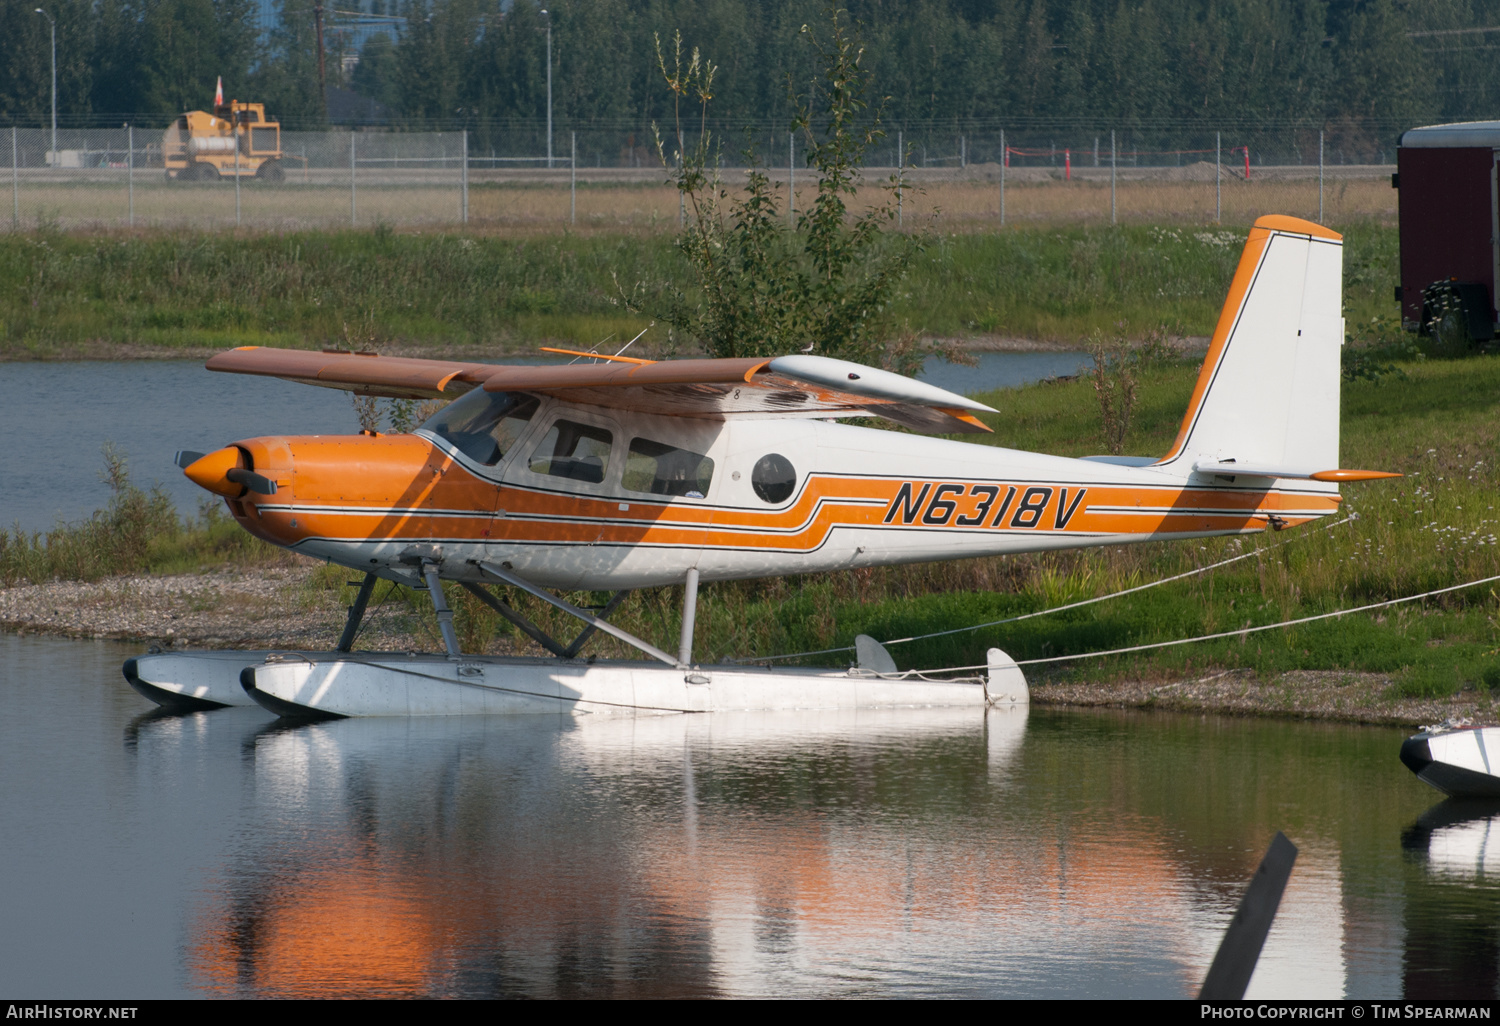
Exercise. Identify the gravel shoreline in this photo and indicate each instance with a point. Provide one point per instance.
(278, 608)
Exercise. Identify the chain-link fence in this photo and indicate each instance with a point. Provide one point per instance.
(128, 176)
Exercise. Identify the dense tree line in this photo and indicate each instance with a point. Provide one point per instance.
(1356, 66)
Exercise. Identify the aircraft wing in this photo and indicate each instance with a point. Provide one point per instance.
(396, 377)
(798, 386)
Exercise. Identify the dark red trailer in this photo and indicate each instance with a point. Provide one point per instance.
(1450, 227)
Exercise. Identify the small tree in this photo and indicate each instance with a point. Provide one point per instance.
(763, 288)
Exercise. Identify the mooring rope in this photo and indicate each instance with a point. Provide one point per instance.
(1229, 634)
(1062, 608)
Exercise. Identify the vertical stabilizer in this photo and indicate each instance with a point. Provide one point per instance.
(1268, 393)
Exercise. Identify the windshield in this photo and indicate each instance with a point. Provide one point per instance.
(483, 425)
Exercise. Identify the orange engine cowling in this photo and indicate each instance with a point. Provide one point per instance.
(354, 488)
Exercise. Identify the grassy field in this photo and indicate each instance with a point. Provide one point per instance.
(495, 290)
(948, 200)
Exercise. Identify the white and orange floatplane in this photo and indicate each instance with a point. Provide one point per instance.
(619, 473)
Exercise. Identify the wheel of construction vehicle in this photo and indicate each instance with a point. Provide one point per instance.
(270, 171)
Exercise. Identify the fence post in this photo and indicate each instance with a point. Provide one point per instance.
(463, 186)
(130, 173)
(235, 125)
(1004, 160)
(573, 179)
(1320, 176)
(1218, 179)
(791, 178)
(15, 182)
(1113, 160)
(351, 179)
(900, 176)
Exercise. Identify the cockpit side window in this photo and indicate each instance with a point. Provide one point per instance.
(662, 469)
(579, 452)
(484, 425)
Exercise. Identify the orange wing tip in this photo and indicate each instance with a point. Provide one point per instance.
(1284, 223)
(966, 417)
(594, 356)
(1353, 475)
(756, 370)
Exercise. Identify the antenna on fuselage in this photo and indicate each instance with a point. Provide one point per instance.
(633, 341)
(594, 351)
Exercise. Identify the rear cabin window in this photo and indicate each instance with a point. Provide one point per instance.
(578, 452)
(662, 469)
(484, 425)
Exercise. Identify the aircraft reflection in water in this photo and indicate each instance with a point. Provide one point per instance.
(1453, 943)
(919, 851)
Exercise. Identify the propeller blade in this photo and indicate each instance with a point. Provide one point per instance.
(186, 457)
(251, 480)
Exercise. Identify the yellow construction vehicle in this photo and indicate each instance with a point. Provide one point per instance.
(236, 139)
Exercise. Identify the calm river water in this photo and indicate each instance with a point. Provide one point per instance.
(59, 416)
(919, 853)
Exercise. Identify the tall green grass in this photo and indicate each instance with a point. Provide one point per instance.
(61, 294)
(136, 532)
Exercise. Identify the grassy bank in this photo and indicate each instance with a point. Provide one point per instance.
(139, 531)
(79, 294)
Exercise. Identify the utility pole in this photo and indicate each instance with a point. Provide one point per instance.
(548, 16)
(322, 75)
(56, 160)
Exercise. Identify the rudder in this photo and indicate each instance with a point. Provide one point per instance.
(1268, 392)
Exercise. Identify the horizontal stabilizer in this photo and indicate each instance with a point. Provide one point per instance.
(1231, 468)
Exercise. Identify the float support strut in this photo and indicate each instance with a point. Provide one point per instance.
(689, 615)
(495, 570)
(357, 613)
(528, 628)
(440, 604)
(588, 631)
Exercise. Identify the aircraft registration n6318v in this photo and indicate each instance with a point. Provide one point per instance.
(620, 473)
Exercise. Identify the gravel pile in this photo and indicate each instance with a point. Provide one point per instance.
(264, 608)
